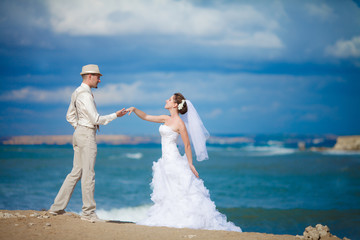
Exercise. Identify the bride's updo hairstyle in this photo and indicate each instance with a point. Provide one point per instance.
(178, 98)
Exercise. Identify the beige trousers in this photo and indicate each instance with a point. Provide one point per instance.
(85, 150)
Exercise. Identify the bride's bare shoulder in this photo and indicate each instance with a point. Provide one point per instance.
(180, 124)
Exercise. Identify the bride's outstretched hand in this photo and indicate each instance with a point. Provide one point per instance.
(130, 110)
(194, 171)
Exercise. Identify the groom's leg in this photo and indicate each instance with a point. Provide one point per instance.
(88, 157)
(63, 197)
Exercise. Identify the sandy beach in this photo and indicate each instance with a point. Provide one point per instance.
(40, 225)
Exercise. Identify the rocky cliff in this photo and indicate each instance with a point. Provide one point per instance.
(348, 143)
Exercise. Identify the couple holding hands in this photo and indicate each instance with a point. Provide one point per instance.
(179, 196)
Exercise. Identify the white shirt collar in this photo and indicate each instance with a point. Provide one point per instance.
(84, 85)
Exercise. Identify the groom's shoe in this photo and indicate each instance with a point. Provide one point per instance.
(91, 218)
(54, 213)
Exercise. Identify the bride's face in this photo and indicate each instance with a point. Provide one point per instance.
(170, 103)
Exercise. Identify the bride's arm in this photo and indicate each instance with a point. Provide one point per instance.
(146, 117)
(185, 137)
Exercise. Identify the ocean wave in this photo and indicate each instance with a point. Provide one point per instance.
(274, 142)
(268, 150)
(339, 152)
(129, 214)
(134, 155)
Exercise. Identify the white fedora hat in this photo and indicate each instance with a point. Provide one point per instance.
(90, 69)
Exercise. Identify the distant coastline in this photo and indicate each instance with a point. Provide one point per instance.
(301, 142)
(109, 139)
(67, 139)
(286, 140)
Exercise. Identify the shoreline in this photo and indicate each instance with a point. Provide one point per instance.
(30, 224)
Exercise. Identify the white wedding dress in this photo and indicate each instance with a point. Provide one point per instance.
(180, 199)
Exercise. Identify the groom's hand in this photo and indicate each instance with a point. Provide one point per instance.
(121, 112)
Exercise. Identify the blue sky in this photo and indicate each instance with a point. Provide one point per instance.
(248, 66)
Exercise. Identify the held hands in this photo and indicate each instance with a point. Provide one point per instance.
(130, 110)
(194, 171)
(121, 112)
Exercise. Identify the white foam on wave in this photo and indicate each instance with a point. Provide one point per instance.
(274, 142)
(134, 155)
(268, 150)
(131, 214)
(339, 152)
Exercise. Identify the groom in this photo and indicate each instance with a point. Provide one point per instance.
(83, 116)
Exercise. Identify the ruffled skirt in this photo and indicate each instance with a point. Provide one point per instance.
(181, 200)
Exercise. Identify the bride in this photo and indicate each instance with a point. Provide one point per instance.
(180, 198)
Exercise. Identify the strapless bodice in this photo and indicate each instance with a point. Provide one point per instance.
(168, 141)
(167, 134)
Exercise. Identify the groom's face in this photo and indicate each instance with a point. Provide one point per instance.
(95, 80)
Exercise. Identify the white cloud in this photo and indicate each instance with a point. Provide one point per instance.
(121, 93)
(319, 10)
(196, 86)
(345, 48)
(265, 108)
(31, 94)
(238, 25)
(214, 90)
(309, 117)
(257, 39)
(214, 113)
(141, 89)
(110, 94)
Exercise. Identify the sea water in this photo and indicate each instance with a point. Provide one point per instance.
(268, 188)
